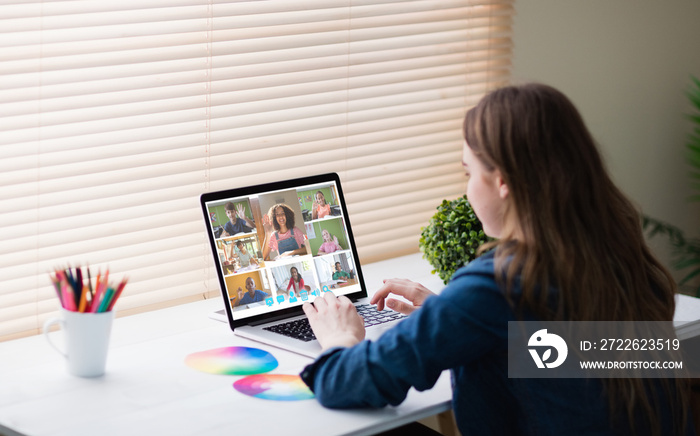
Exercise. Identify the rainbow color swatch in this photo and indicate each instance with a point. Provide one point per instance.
(232, 361)
(277, 387)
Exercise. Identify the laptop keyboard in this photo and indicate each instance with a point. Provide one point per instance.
(300, 328)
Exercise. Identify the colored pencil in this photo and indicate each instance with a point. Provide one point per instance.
(68, 297)
(78, 286)
(105, 300)
(77, 296)
(90, 283)
(83, 300)
(99, 289)
(57, 287)
(118, 292)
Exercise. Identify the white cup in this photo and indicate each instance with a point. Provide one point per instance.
(86, 339)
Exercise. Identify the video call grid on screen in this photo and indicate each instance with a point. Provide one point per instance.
(248, 259)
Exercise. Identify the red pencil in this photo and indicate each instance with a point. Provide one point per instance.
(117, 294)
(101, 286)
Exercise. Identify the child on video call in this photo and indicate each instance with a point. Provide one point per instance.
(282, 235)
(320, 208)
(296, 282)
(250, 295)
(238, 221)
(330, 245)
(244, 256)
(339, 274)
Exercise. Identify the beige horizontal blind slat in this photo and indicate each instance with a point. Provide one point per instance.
(29, 316)
(140, 244)
(147, 278)
(116, 116)
(142, 108)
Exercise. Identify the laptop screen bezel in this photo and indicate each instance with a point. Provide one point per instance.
(246, 191)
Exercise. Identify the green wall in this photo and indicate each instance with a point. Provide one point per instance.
(309, 204)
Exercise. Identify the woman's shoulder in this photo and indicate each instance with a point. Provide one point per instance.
(474, 293)
(478, 274)
(479, 277)
(483, 264)
(481, 274)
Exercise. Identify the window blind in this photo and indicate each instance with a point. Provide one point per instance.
(116, 116)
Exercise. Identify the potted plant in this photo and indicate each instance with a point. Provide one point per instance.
(685, 251)
(452, 237)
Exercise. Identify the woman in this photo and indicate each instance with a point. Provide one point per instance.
(287, 239)
(320, 208)
(537, 183)
(296, 281)
(330, 245)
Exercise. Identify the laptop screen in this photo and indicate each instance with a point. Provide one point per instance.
(281, 244)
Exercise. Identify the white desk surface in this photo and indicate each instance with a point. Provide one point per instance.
(687, 316)
(148, 389)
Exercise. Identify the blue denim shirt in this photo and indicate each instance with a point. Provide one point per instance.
(464, 329)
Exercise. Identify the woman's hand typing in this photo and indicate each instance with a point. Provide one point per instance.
(412, 291)
(335, 321)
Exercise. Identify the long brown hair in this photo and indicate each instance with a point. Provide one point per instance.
(576, 231)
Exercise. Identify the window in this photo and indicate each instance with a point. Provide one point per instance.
(116, 116)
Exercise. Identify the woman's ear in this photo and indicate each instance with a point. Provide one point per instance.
(502, 187)
(503, 191)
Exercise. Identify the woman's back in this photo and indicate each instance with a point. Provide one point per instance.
(489, 400)
(567, 226)
(538, 185)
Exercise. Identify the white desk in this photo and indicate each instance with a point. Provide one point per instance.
(687, 316)
(148, 389)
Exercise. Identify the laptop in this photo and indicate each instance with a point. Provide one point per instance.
(278, 245)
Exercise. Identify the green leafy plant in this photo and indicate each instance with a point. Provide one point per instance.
(693, 144)
(452, 237)
(685, 251)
